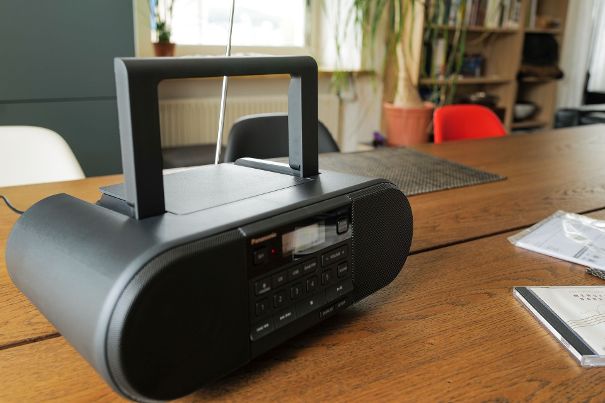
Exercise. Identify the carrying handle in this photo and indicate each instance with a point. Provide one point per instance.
(137, 83)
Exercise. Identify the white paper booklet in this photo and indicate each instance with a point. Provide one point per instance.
(570, 237)
(574, 315)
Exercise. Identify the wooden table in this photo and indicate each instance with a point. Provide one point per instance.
(447, 328)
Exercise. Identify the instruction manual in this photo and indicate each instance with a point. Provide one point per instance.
(570, 237)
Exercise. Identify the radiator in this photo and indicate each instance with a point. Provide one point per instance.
(195, 120)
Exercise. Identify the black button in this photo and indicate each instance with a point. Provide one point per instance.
(262, 286)
(326, 311)
(279, 298)
(261, 329)
(284, 317)
(296, 291)
(342, 304)
(311, 283)
(279, 279)
(334, 255)
(295, 272)
(327, 276)
(310, 304)
(339, 290)
(342, 270)
(309, 267)
(342, 225)
(260, 256)
(262, 307)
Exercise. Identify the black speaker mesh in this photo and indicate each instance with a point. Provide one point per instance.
(382, 235)
(182, 320)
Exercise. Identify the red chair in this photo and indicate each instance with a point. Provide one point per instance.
(461, 122)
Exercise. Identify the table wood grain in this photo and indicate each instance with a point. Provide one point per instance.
(447, 329)
(554, 170)
(548, 171)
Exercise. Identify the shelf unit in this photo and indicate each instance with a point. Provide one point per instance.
(502, 49)
(529, 124)
(554, 31)
(493, 79)
(473, 28)
(542, 91)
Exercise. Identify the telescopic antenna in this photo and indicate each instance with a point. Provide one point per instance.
(221, 117)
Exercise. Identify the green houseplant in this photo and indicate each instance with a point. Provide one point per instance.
(161, 22)
(406, 116)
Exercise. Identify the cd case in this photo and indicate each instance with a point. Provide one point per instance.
(574, 315)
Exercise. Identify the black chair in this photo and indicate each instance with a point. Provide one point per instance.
(190, 155)
(266, 136)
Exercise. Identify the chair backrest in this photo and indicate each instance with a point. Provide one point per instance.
(460, 122)
(33, 155)
(266, 136)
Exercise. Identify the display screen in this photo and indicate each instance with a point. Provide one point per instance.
(304, 239)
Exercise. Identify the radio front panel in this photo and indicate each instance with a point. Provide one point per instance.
(299, 272)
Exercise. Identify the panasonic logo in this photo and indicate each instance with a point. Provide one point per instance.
(256, 241)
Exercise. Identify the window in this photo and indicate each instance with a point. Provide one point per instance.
(256, 23)
(279, 27)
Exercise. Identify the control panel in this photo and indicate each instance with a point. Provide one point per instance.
(300, 270)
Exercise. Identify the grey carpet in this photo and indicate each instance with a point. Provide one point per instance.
(414, 172)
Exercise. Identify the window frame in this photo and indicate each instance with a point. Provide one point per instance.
(312, 34)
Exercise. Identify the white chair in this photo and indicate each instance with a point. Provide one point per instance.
(31, 154)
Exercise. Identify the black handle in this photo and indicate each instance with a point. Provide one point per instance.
(137, 82)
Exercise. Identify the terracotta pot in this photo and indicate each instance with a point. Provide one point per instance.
(407, 126)
(163, 49)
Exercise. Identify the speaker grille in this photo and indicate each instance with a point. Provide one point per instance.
(382, 235)
(182, 320)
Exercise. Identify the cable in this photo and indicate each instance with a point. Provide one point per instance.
(10, 206)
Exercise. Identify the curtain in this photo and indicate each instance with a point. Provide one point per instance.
(596, 83)
(575, 53)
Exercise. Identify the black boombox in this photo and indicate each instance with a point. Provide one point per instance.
(173, 280)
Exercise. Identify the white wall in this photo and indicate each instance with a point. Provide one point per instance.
(360, 108)
(359, 112)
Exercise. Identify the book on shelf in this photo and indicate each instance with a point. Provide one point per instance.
(515, 15)
(439, 57)
(468, 12)
(491, 14)
(481, 11)
(531, 16)
(453, 12)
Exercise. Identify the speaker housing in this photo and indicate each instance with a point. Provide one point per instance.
(160, 324)
(161, 303)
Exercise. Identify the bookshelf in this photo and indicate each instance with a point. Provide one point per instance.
(477, 28)
(500, 44)
(493, 79)
(542, 91)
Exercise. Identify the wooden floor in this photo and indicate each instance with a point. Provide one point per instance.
(448, 328)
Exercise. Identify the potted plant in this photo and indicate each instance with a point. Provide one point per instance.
(161, 15)
(407, 118)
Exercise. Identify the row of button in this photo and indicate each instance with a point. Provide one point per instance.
(309, 285)
(265, 285)
(282, 296)
(303, 308)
